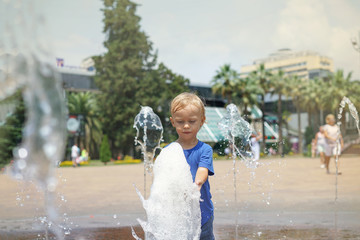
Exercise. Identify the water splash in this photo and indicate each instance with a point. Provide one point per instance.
(25, 63)
(149, 132)
(237, 131)
(354, 114)
(173, 207)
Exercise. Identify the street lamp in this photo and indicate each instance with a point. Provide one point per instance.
(356, 43)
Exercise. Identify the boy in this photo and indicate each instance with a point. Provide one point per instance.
(187, 117)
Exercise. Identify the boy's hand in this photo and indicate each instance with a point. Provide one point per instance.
(198, 184)
(201, 176)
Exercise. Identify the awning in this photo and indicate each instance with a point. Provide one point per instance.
(211, 133)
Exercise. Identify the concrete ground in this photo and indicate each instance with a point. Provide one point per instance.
(281, 192)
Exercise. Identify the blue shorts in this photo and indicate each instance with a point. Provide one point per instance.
(207, 232)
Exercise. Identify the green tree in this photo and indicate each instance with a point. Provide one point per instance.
(224, 82)
(121, 70)
(11, 130)
(246, 93)
(282, 87)
(336, 86)
(85, 103)
(297, 85)
(105, 152)
(169, 85)
(262, 77)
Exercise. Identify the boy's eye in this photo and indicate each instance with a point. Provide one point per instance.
(192, 121)
(180, 122)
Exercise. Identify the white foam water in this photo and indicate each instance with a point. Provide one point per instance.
(173, 207)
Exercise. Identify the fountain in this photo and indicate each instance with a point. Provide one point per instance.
(353, 112)
(355, 115)
(149, 132)
(173, 207)
(237, 131)
(25, 64)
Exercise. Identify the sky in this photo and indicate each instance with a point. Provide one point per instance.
(195, 38)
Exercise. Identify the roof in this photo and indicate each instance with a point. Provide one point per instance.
(210, 132)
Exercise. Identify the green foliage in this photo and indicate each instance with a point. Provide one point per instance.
(287, 146)
(225, 81)
(11, 130)
(85, 103)
(309, 135)
(127, 76)
(120, 71)
(105, 153)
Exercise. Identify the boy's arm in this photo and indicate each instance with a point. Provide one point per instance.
(201, 176)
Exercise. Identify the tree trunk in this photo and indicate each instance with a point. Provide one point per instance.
(263, 144)
(281, 145)
(309, 118)
(299, 131)
(317, 118)
(321, 117)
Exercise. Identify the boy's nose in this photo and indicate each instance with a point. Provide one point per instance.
(186, 125)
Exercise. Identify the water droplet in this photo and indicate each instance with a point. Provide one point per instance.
(21, 164)
(22, 153)
(51, 186)
(49, 149)
(114, 216)
(45, 131)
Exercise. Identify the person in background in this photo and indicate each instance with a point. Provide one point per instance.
(320, 142)
(84, 155)
(255, 146)
(75, 150)
(334, 141)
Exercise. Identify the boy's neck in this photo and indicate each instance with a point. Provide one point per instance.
(188, 144)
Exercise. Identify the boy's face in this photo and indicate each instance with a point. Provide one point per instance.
(187, 122)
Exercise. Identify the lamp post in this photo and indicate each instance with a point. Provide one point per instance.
(356, 44)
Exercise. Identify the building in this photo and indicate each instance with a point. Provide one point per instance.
(78, 79)
(304, 64)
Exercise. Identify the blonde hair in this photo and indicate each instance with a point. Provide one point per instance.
(184, 99)
(329, 117)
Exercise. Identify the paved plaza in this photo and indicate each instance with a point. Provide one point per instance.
(289, 192)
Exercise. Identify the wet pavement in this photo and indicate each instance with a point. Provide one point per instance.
(285, 198)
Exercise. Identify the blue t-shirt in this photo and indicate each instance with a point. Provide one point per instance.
(201, 156)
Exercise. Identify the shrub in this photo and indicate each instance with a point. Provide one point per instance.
(105, 153)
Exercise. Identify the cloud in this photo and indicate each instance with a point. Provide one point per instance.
(75, 47)
(317, 26)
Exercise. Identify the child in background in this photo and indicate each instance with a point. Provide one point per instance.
(320, 145)
(187, 117)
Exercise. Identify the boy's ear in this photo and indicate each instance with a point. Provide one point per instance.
(203, 120)
(172, 121)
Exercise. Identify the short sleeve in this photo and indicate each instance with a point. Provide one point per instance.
(206, 159)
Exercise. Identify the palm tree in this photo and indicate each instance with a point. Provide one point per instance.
(85, 103)
(311, 98)
(262, 77)
(337, 86)
(282, 87)
(224, 82)
(297, 97)
(247, 92)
